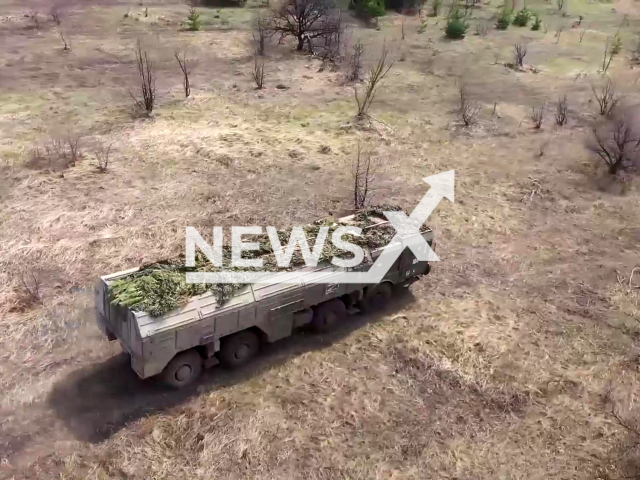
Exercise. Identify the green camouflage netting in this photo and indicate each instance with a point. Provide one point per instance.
(160, 287)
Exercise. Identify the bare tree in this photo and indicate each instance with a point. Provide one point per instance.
(521, 52)
(561, 110)
(147, 80)
(185, 67)
(377, 72)
(305, 20)
(606, 97)
(102, 153)
(537, 116)
(355, 62)
(468, 109)
(582, 32)
(363, 179)
(258, 73)
(616, 144)
(65, 41)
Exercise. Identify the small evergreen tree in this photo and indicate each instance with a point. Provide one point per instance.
(522, 17)
(456, 28)
(537, 23)
(193, 20)
(504, 20)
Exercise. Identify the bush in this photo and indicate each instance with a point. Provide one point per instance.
(369, 9)
(537, 23)
(456, 28)
(504, 20)
(522, 17)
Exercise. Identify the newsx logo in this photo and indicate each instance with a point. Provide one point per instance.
(407, 236)
(283, 255)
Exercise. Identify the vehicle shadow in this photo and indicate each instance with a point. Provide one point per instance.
(96, 401)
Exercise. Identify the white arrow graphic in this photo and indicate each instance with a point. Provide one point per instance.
(407, 236)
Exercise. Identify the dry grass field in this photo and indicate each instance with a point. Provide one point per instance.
(518, 357)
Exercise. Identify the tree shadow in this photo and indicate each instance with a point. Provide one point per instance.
(97, 401)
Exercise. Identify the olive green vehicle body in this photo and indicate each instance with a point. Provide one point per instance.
(272, 310)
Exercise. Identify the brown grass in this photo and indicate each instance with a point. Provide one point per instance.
(496, 366)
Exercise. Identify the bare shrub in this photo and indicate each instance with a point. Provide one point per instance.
(521, 52)
(617, 144)
(537, 116)
(362, 172)
(261, 33)
(102, 153)
(30, 289)
(66, 42)
(377, 72)
(73, 142)
(562, 108)
(616, 44)
(468, 108)
(543, 148)
(55, 15)
(258, 73)
(63, 151)
(355, 62)
(185, 67)
(559, 29)
(305, 20)
(608, 56)
(606, 97)
(482, 28)
(147, 79)
(33, 15)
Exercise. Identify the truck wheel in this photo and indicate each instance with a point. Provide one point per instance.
(238, 349)
(376, 297)
(183, 369)
(327, 315)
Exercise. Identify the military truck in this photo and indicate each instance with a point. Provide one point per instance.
(177, 345)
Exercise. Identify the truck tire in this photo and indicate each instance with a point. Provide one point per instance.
(328, 315)
(183, 369)
(239, 348)
(376, 297)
